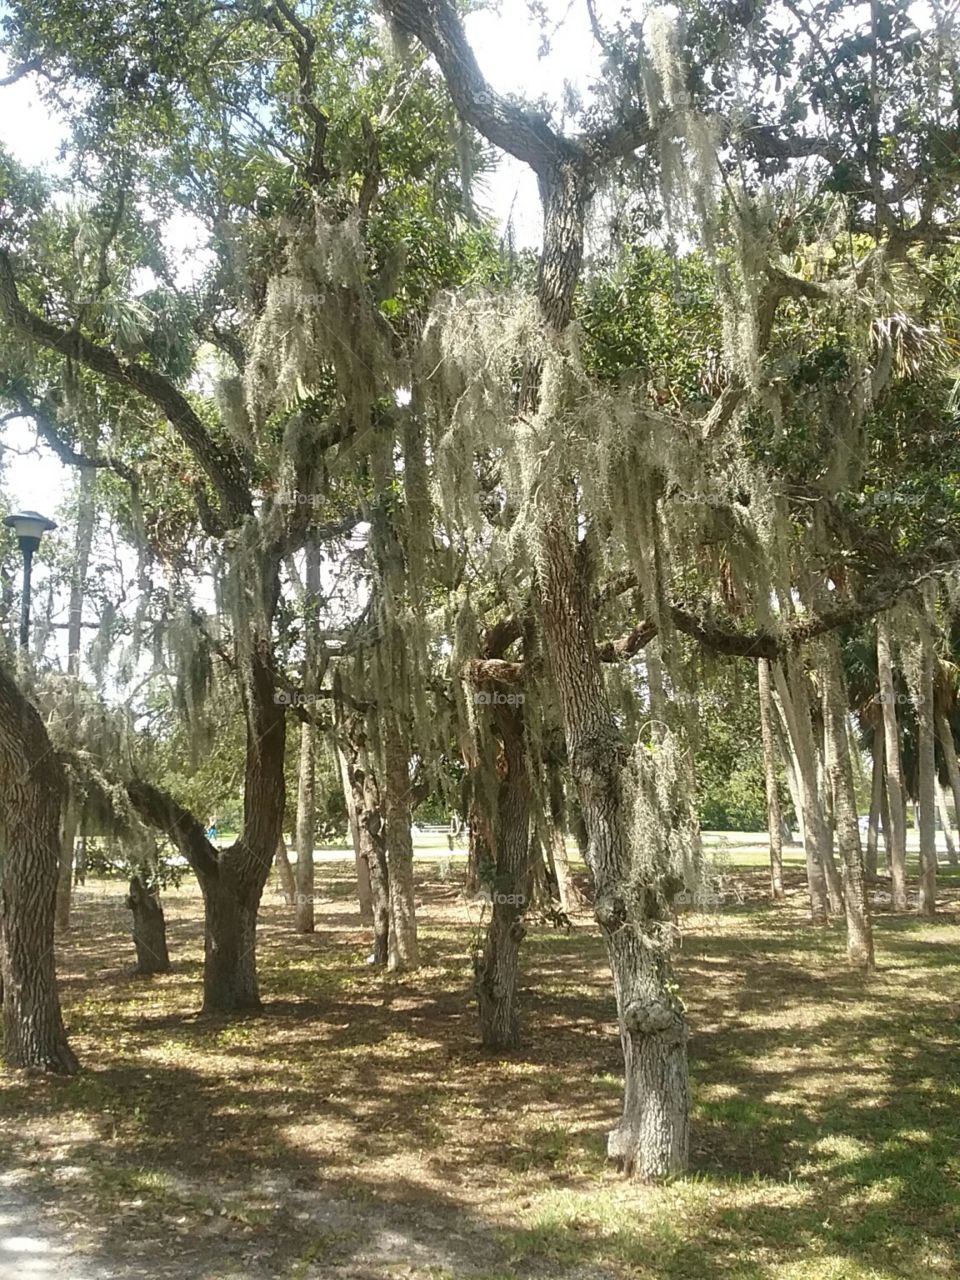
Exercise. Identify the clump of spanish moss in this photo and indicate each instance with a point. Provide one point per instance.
(319, 319)
(688, 139)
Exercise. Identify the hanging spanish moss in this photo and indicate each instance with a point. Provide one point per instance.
(319, 315)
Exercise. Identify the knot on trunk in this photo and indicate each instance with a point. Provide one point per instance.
(610, 911)
(598, 759)
(670, 884)
(660, 1017)
(621, 1145)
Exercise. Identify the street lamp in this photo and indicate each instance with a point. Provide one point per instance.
(29, 526)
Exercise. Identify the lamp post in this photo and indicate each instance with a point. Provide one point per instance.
(29, 526)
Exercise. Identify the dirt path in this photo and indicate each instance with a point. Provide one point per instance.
(31, 1247)
(352, 1241)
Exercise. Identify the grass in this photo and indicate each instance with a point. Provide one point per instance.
(357, 1129)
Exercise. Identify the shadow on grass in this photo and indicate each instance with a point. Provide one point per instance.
(357, 1125)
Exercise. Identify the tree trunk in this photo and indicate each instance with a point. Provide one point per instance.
(944, 813)
(232, 895)
(86, 522)
(876, 799)
(927, 902)
(306, 827)
(632, 906)
(65, 877)
(230, 943)
(149, 927)
(542, 890)
(288, 881)
(774, 820)
(571, 899)
(948, 747)
(80, 876)
(790, 767)
(307, 779)
(374, 855)
(232, 879)
(652, 1138)
(818, 816)
(32, 787)
(885, 819)
(814, 831)
(496, 968)
(840, 766)
(402, 949)
(364, 892)
(825, 790)
(373, 848)
(893, 767)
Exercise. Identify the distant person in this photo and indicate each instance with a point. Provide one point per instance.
(213, 833)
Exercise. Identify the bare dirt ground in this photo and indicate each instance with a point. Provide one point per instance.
(356, 1130)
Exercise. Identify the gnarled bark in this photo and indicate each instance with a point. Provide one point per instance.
(149, 927)
(32, 788)
(496, 968)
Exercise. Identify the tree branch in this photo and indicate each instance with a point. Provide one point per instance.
(25, 68)
(628, 645)
(305, 43)
(158, 808)
(527, 136)
(223, 468)
(44, 419)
